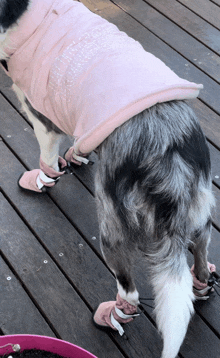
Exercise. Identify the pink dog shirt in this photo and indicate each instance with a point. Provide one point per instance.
(84, 74)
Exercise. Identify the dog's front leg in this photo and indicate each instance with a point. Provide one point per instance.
(51, 165)
(49, 143)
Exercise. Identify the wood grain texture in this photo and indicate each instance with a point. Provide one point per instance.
(54, 295)
(189, 21)
(206, 9)
(177, 38)
(18, 312)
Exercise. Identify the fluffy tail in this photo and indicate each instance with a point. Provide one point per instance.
(173, 302)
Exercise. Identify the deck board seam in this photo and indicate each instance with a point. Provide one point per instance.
(56, 204)
(207, 323)
(46, 249)
(182, 28)
(144, 311)
(13, 152)
(212, 143)
(212, 109)
(35, 303)
(216, 226)
(200, 16)
(16, 108)
(167, 43)
(83, 183)
(214, 2)
(75, 226)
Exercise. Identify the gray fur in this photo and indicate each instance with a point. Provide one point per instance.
(135, 181)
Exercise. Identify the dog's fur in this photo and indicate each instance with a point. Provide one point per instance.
(153, 190)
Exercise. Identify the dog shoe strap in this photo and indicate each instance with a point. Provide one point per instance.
(125, 316)
(80, 158)
(43, 179)
(202, 292)
(117, 325)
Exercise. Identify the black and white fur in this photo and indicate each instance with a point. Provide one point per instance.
(153, 190)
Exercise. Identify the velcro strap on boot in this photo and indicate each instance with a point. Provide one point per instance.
(200, 294)
(122, 315)
(80, 158)
(43, 179)
(117, 325)
(71, 156)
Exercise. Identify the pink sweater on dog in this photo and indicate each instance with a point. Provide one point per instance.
(84, 74)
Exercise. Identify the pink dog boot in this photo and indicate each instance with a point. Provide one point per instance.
(38, 180)
(71, 157)
(109, 315)
(200, 289)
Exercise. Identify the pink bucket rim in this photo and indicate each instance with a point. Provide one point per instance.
(53, 345)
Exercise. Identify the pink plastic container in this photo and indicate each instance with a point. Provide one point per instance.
(49, 344)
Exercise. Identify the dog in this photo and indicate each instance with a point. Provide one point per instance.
(153, 182)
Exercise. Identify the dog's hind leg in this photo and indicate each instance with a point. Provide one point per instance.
(119, 259)
(200, 249)
(49, 139)
(201, 220)
(110, 314)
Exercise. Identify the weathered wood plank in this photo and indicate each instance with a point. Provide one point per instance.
(173, 35)
(209, 120)
(55, 296)
(199, 335)
(190, 22)
(18, 313)
(208, 11)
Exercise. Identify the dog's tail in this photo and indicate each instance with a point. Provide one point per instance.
(172, 285)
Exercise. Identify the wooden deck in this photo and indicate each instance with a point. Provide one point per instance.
(52, 274)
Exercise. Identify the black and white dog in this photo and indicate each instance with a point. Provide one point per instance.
(153, 189)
